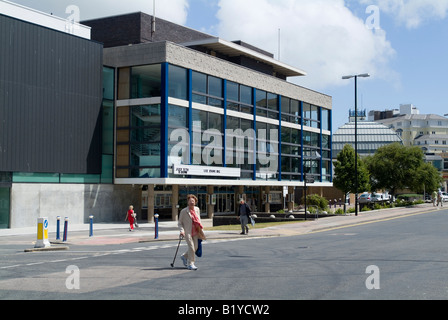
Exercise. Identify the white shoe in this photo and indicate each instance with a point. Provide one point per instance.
(192, 267)
(184, 260)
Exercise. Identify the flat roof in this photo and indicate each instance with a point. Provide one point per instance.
(233, 50)
(43, 19)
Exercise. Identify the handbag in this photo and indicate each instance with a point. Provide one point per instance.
(199, 250)
(252, 221)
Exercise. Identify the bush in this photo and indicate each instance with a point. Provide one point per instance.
(316, 200)
(351, 210)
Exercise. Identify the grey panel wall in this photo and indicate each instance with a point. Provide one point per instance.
(50, 100)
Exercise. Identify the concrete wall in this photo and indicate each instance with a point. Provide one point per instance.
(107, 203)
(151, 53)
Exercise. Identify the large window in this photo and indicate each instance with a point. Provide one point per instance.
(178, 144)
(207, 89)
(108, 125)
(291, 110)
(326, 158)
(207, 146)
(240, 146)
(138, 141)
(4, 207)
(139, 82)
(178, 82)
(267, 151)
(146, 81)
(326, 119)
(267, 104)
(311, 153)
(239, 98)
(291, 154)
(311, 117)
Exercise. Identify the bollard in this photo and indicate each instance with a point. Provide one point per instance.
(156, 220)
(42, 233)
(91, 226)
(58, 228)
(65, 229)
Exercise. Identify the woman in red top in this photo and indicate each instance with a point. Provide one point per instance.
(130, 216)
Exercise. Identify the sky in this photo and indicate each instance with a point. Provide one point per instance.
(402, 44)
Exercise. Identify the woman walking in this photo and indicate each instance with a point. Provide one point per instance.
(191, 229)
(130, 215)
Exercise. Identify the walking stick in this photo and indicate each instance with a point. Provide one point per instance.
(175, 256)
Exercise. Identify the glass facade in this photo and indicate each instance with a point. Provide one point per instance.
(145, 81)
(207, 90)
(268, 136)
(4, 207)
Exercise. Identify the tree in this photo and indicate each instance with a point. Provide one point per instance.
(344, 172)
(394, 167)
(427, 179)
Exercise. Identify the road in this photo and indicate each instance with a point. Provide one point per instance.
(400, 259)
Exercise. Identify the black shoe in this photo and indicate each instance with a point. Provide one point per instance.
(247, 230)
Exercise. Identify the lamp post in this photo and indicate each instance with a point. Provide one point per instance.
(364, 75)
(309, 180)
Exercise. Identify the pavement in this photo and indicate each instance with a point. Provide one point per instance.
(116, 234)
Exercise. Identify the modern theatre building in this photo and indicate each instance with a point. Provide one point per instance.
(160, 112)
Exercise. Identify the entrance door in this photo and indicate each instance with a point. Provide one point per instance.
(224, 203)
(4, 207)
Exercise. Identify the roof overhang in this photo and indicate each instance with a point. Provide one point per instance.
(233, 50)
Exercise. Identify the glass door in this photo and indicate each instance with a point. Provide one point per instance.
(224, 203)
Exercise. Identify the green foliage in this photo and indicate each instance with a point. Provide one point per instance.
(316, 200)
(394, 167)
(345, 178)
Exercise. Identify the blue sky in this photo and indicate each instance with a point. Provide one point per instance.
(406, 56)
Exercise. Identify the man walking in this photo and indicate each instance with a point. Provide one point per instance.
(244, 216)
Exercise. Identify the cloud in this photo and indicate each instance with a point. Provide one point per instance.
(322, 37)
(412, 13)
(172, 10)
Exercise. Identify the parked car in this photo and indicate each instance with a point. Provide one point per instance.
(377, 197)
(444, 197)
(380, 197)
(365, 198)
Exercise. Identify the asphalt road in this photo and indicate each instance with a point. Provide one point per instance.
(400, 259)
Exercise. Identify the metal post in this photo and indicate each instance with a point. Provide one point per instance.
(356, 145)
(365, 75)
(156, 220)
(58, 228)
(65, 229)
(305, 197)
(91, 226)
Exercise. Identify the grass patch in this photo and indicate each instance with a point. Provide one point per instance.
(237, 227)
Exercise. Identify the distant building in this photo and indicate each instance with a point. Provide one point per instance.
(432, 143)
(371, 137)
(413, 126)
(427, 131)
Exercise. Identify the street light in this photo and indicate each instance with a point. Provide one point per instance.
(364, 75)
(309, 180)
